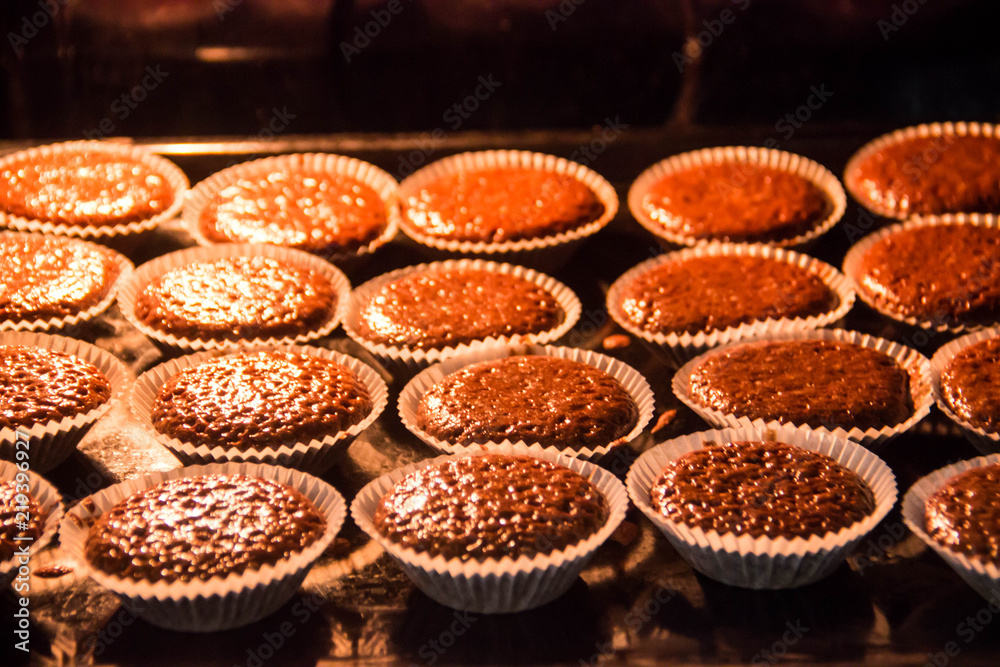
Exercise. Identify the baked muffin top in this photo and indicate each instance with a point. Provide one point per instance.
(970, 384)
(964, 516)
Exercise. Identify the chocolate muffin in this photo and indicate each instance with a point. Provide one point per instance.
(736, 201)
(317, 211)
(945, 274)
(14, 531)
(546, 400)
(39, 385)
(257, 400)
(237, 298)
(52, 277)
(501, 204)
(970, 384)
(761, 489)
(929, 175)
(818, 383)
(196, 528)
(963, 514)
(446, 307)
(84, 187)
(490, 507)
(716, 292)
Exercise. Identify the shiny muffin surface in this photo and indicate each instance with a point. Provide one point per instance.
(964, 515)
(970, 384)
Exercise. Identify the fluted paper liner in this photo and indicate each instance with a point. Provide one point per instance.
(202, 194)
(548, 252)
(416, 360)
(629, 378)
(224, 601)
(129, 292)
(915, 364)
(851, 175)
(763, 562)
(987, 442)
(495, 586)
(125, 269)
(808, 169)
(51, 442)
(853, 269)
(48, 498)
(689, 343)
(161, 166)
(983, 576)
(313, 456)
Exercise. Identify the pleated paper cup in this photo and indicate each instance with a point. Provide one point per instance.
(157, 164)
(629, 378)
(48, 498)
(984, 577)
(791, 163)
(495, 586)
(52, 442)
(202, 195)
(224, 601)
(914, 363)
(83, 316)
(314, 456)
(763, 562)
(852, 175)
(409, 361)
(987, 442)
(688, 343)
(545, 252)
(854, 271)
(130, 291)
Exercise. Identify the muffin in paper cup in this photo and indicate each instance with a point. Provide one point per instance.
(754, 157)
(130, 291)
(987, 442)
(224, 601)
(409, 360)
(915, 364)
(313, 456)
(167, 170)
(941, 137)
(854, 271)
(545, 252)
(83, 315)
(763, 562)
(984, 577)
(629, 378)
(688, 343)
(47, 497)
(384, 185)
(495, 586)
(52, 442)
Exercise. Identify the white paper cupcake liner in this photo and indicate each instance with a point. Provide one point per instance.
(410, 360)
(335, 165)
(48, 498)
(125, 269)
(982, 576)
(763, 562)
(853, 270)
(130, 291)
(313, 456)
(812, 171)
(898, 136)
(987, 442)
(629, 378)
(915, 364)
(222, 602)
(51, 442)
(688, 343)
(546, 252)
(165, 168)
(495, 586)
